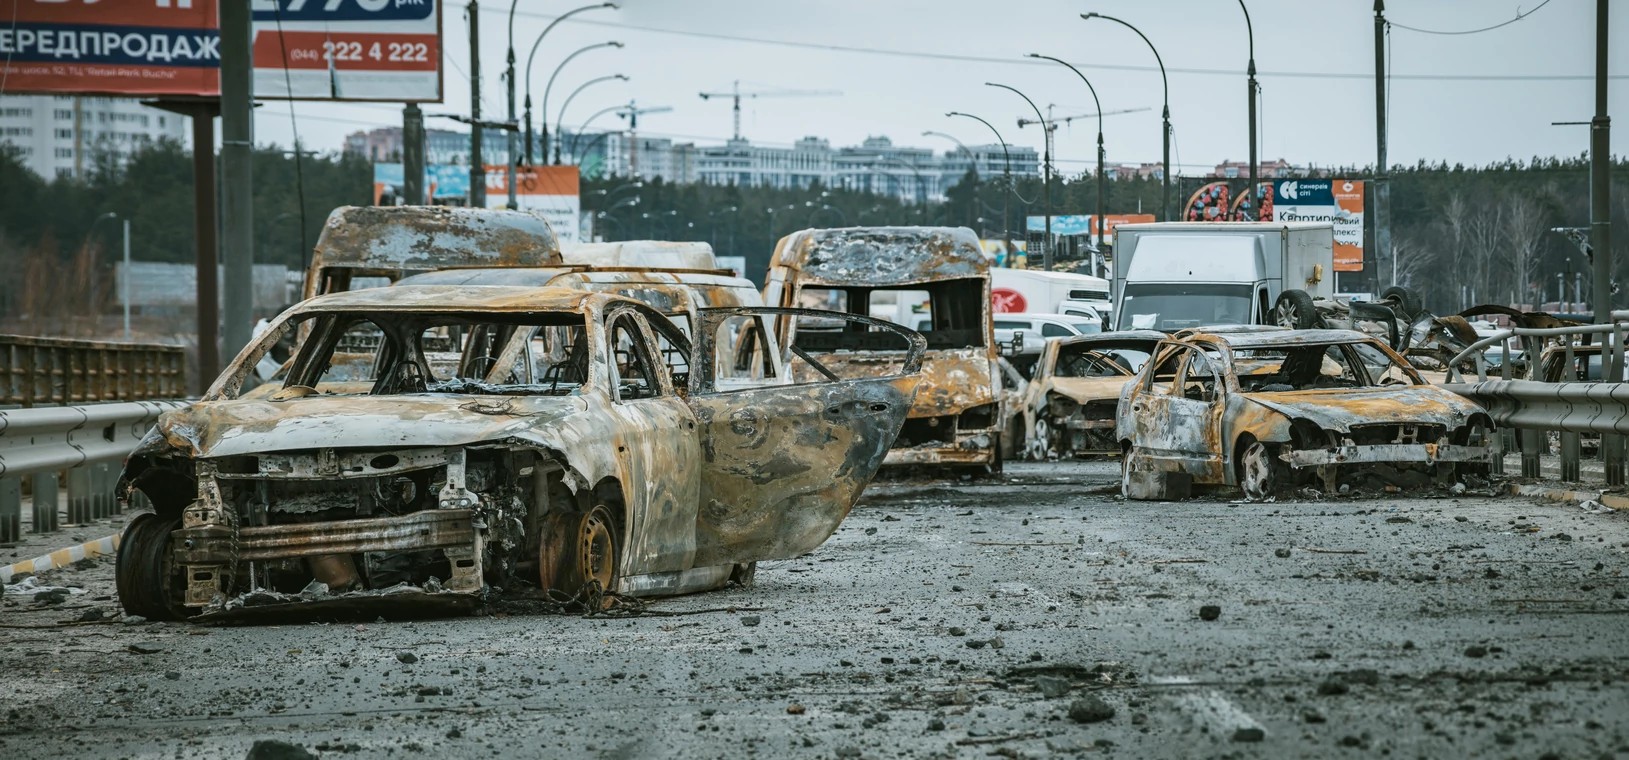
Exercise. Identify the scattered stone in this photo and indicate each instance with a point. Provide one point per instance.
(1399, 519)
(1321, 655)
(454, 733)
(145, 647)
(872, 531)
(1461, 518)
(1281, 553)
(1210, 612)
(1476, 651)
(936, 725)
(750, 620)
(1333, 688)
(1313, 716)
(406, 658)
(132, 620)
(172, 675)
(1251, 734)
(795, 709)
(975, 643)
(954, 631)
(1090, 709)
(272, 749)
(1365, 676)
(1351, 741)
(1052, 687)
(92, 614)
(1457, 489)
(848, 751)
(997, 643)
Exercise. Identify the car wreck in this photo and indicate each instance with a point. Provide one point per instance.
(1268, 409)
(577, 441)
(1070, 403)
(945, 275)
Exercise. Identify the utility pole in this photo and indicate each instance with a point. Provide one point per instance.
(413, 155)
(237, 181)
(125, 296)
(1382, 171)
(477, 159)
(511, 180)
(1600, 234)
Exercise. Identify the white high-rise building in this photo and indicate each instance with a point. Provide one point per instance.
(61, 135)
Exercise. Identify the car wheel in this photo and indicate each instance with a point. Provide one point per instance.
(1295, 310)
(744, 574)
(1258, 471)
(148, 582)
(1125, 474)
(1407, 300)
(591, 561)
(1040, 443)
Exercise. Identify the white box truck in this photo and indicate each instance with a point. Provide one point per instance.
(1173, 275)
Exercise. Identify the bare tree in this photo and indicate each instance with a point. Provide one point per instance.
(1484, 229)
(1523, 233)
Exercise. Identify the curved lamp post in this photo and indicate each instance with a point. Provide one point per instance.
(1165, 137)
(529, 58)
(1250, 191)
(545, 105)
(1046, 134)
(1006, 197)
(1099, 104)
(971, 160)
(560, 123)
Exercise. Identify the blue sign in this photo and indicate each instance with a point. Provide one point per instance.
(1304, 192)
(1070, 224)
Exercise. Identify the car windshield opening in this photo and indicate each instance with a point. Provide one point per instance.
(949, 313)
(1272, 369)
(1172, 306)
(1099, 361)
(475, 353)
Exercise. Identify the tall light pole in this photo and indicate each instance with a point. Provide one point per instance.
(529, 57)
(971, 160)
(1046, 132)
(1382, 177)
(1250, 190)
(1006, 197)
(560, 123)
(1165, 137)
(546, 88)
(1100, 218)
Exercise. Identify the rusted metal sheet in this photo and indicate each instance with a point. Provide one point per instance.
(368, 490)
(54, 371)
(397, 240)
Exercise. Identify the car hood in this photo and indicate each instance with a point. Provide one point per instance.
(1085, 389)
(1340, 409)
(236, 427)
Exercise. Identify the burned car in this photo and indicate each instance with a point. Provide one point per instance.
(577, 441)
(1070, 402)
(1263, 410)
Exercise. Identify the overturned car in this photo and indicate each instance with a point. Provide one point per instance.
(1272, 408)
(577, 441)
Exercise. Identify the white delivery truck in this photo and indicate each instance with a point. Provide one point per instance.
(1173, 275)
(1038, 291)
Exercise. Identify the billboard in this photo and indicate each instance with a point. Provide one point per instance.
(388, 50)
(156, 47)
(1081, 224)
(552, 191)
(1337, 201)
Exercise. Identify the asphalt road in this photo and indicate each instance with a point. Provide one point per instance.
(946, 618)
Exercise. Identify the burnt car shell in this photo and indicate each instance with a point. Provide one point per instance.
(1066, 415)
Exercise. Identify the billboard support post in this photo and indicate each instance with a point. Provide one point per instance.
(1382, 172)
(237, 182)
(477, 158)
(413, 155)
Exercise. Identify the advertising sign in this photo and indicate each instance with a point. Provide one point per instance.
(1081, 224)
(386, 50)
(1338, 201)
(551, 191)
(157, 47)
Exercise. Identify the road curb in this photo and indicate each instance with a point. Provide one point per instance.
(63, 557)
(1609, 500)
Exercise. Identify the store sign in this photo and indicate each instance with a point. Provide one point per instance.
(1083, 224)
(387, 50)
(1338, 202)
(89, 47)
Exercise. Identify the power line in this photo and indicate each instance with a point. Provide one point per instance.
(926, 55)
(1519, 17)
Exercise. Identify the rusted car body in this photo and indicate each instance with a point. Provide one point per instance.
(1267, 409)
(580, 441)
(1069, 407)
(957, 417)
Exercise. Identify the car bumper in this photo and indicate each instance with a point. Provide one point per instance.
(969, 449)
(1428, 453)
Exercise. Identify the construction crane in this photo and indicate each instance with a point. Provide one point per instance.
(736, 95)
(632, 112)
(1067, 119)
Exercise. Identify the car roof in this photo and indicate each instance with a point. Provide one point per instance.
(1272, 338)
(449, 298)
(883, 256)
(1152, 336)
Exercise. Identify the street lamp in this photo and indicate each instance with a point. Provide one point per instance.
(529, 57)
(584, 127)
(1006, 198)
(972, 162)
(772, 211)
(549, 86)
(1046, 133)
(651, 217)
(1165, 84)
(726, 210)
(560, 123)
(124, 287)
(1099, 104)
(1250, 191)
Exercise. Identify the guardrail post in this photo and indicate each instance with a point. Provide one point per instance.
(11, 509)
(45, 503)
(1534, 442)
(102, 474)
(1612, 446)
(1571, 451)
(79, 495)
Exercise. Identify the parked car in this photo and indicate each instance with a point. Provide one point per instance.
(1261, 410)
(1070, 403)
(579, 441)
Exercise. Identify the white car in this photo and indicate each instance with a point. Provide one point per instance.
(1039, 327)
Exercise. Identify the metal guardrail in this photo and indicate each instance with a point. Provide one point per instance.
(86, 441)
(1599, 408)
(46, 371)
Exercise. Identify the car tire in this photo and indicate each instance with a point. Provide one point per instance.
(1259, 471)
(1407, 299)
(1040, 444)
(1295, 310)
(145, 575)
(591, 555)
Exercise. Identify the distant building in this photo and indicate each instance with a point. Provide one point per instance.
(1241, 170)
(61, 135)
(441, 146)
(1155, 170)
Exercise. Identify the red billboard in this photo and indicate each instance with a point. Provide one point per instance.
(117, 47)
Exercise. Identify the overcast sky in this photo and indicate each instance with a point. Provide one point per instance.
(1493, 96)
